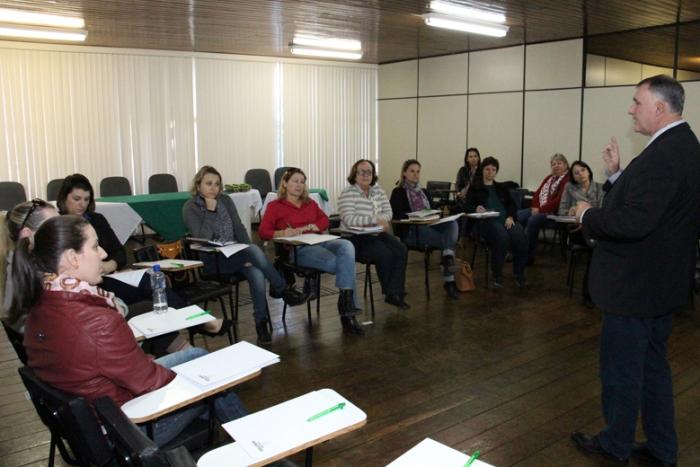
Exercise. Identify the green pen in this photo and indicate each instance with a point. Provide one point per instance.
(178, 265)
(197, 315)
(472, 459)
(326, 412)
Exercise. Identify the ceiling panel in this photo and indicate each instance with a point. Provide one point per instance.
(390, 30)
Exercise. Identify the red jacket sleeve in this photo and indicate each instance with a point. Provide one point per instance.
(266, 229)
(122, 361)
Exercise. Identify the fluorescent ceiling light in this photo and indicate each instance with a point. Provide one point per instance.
(476, 27)
(40, 19)
(328, 43)
(326, 53)
(37, 32)
(466, 12)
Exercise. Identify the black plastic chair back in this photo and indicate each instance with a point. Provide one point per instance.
(162, 183)
(11, 194)
(279, 172)
(68, 418)
(115, 186)
(17, 341)
(52, 189)
(260, 180)
(438, 193)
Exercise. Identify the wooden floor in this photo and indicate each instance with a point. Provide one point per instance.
(511, 373)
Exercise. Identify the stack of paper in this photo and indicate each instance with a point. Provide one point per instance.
(483, 215)
(363, 230)
(424, 214)
(153, 324)
(228, 363)
(209, 242)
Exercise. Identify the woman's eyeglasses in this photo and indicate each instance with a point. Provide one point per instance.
(364, 173)
(36, 202)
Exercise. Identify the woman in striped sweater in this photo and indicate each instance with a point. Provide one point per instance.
(362, 204)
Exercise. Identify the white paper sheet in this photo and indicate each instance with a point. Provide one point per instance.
(153, 324)
(232, 249)
(224, 364)
(483, 215)
(423, 213)
(310, 239)
(451, 218)
(284, 426)
(430, 452)
(131, 277)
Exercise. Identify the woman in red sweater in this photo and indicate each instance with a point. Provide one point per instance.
(545, 201)
(294, 213)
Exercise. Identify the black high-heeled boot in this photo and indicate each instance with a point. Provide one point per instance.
(346, 308)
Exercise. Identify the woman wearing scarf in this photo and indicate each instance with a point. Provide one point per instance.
(545, 202)
(409, 196)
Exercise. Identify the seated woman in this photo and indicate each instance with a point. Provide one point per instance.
(468, 172)
(211, 214)
(581, 187)
(75, 338)
(409, 196)
(500, 233)
(364, 203)
(545, 201)
(76, 196)
(22, 222)
(294, 213)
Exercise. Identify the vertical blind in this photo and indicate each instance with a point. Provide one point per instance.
(113, 112)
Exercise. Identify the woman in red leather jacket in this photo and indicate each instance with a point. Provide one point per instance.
(75, 338)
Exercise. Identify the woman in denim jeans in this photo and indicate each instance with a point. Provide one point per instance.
(294, 213)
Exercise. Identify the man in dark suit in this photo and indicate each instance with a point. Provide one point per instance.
(642, 271)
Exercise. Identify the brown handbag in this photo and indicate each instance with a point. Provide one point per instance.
(464, 277)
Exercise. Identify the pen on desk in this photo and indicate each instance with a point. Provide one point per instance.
(326, 412)
(197, 315)
(472, 459)
(178, 265)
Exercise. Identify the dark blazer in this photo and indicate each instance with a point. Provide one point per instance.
(478, 194)
(647, 230)
(400, 207)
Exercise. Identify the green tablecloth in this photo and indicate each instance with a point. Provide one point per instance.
(321, 192)
(162, 212)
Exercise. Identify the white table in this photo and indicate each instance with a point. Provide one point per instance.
(156, 324)
(286, 428)
(325, 206)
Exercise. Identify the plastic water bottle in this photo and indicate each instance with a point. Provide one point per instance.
(160, 300)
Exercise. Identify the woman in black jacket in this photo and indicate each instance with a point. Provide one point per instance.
(500, 232)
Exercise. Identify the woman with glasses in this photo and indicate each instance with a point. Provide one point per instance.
(362, 204)
(294, 213)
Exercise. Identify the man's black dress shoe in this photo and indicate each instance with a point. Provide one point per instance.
(590, 445)
(641, 451)
(397, 301)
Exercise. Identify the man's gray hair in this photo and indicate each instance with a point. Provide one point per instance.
(668, 89)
